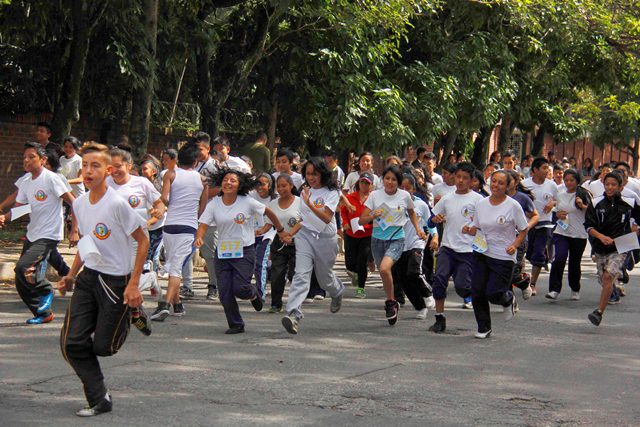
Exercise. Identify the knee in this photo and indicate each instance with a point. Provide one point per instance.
(104, 349)
(439, 292)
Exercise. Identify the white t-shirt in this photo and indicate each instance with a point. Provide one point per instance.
(436, 178)
(500, 225)
(288, 217)
(139, 192)
(596, 187)
(20, 180)
(575, 217)
(352, 179)
(632, 184)
(441, 190)
(458, 210)
(234, 222)
(110, 223)
(396, 205)
(320, 198)
(295, 177)
(561, 188)
(236, 163)
(71, 168)
(543, 194)
(43, 194)
(260, 220)
(338, 175)
(411, 239)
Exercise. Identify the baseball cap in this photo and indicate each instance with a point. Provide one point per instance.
(366, 176)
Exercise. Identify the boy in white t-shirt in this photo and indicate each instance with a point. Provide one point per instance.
(284, 161)
(98, 317)
(44, 192)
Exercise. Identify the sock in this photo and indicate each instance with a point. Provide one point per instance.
(440, 314)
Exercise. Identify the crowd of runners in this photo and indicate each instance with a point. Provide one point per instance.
(264, 230)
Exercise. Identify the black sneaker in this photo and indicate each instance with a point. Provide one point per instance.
(391, 309)
(291, 324)
(186, 293)
(178, 310)
(212, 294)
(257, 303)
(235, 329)
(162, 312)
(595, 317)
(105, 405)
(440, 325)
(140, 320)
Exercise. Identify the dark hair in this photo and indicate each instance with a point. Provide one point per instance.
(493, 156)
(588, 159)
(271, 192)
(285, 153)
(557, 167)
(625, 165)
(40, 151)
(75, 142)
(394, 170)
(53, 158)
(538, 162)
(187, 155)
(615, 175)
(411, 179)
(420, 150)
(465, 167)
(508, 153)
(284, 176)
(449, 168)
(261, 136)
(319, 165)
(506, 174)
(45, 125)
(477, 174)
(153, 161)
(364, 153)
(203, 137)
(124, 154)
(580, 192)
(329, 153)
(247, 181)
(171, 153)
(222, 140)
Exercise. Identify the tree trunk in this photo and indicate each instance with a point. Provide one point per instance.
(635, 152)
(538, 142)
(141, 108)
(271, 128)
(481, 148)
(450, 142)
(504, 138)
(66, 111)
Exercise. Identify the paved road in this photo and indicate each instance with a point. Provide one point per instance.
(549, 366)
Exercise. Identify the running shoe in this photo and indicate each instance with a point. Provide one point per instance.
(318, 298)
(45, 303)
(614, 299)
(430, 302)
(467, 303)
(212, 294)
(575, 296)
(140, 320)
(257, 303)
(186, 293)
(178, 310)
(483, 335)
(291, 324)
(275, 309)
(621, 290)
(391, 310)
(510, 310)
(527, 292)
(360, 293)
(105, 405)
(308, 301)
(552, 295)
(440, 325)
(235, 329)
(595, 317)
(533, 291)
(422, 314)
(336, 304)
(162, 312)
(39, 320)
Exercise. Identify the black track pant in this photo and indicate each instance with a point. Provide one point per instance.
(30, 264)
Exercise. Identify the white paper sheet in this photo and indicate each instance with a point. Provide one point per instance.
(627, 243)
(355, 226)
(88, 250)
(20, 211)
(479, 244)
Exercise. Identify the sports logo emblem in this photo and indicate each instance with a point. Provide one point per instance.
(292, 222)
(101, 231)
(41, 196)
(318, 203)
(134, 201)
(467, 211)
(240, 219)
(501, 219)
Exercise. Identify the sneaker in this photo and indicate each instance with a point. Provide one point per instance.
(621, 290)
(354, 279)
(140, 320)
(186, 293)
(39, 320)
(575, 296)
(422, 314)
(45, 303)
(595, 317)
(430, 302)
(235, 329)
(275, 309)
(391, 309)
(178, 310)
(257, 303)
(552, 295)
(467, 304)
(527, 292)
(440, 325)
(614, 299)
(162, 312)
(105, 405)
(510, 310)
(360, 293)
(533, 291)
(318, 298)
(336, 304)
(308, 301)
(483, 335)
(212, 294)
(291, 324)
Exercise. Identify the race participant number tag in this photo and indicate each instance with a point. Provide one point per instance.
(563, 223)
(385, 220)
(479, 244)
(229, 249)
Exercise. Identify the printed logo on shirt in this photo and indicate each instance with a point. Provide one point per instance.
(101, 231)
(134, 201)
(240, 219)
(467, 212)
(318, 203)
(41, 196)
(292, 221)
(547, 196)
(501, 219)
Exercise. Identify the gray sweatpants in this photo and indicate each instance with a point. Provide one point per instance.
(313, 254)
(208, 252)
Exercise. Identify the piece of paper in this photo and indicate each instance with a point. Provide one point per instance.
(88, 250)
(20, 211)
(479, 244)
(385, 220)
(355, 226)
(627, 243)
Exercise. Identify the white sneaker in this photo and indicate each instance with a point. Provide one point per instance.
(552, 295)
(430, 302)
(308, 301)
(510, 311)
(318, 298)
(483, 335)
(422, 314)
(526, 293)
(575, 296)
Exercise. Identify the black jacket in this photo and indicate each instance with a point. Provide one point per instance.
(611, 217)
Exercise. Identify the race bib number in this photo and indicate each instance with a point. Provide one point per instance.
(563, 223)
(385, 220)
(229, 249)
(479, 244)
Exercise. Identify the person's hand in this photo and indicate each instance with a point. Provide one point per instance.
(65, 284)
(349, 207)
(158, 212)
(606, 240)
(132, 296)
(549, 206)
(305, 194)
(580, 203)
(511, 250)
(198, 242)
(346, 227)
(285, 236)
(422, 235)
(74, 237)
(562, 215)
(466, 230)
(2, 220)
(438, 219)
(377, 213)
(434, 243)
(634, 228)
